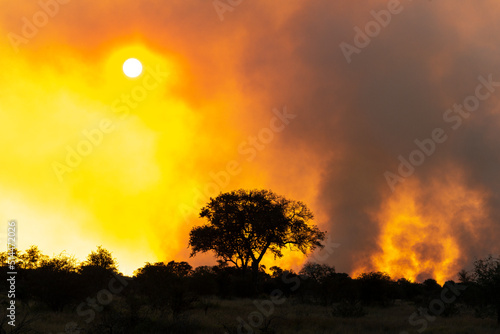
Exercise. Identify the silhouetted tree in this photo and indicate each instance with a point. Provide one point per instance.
(55, 282)
(165, 285)
(153, 281)
(316, 271)
(60, 263)
(244, 225)
(465, 277)
(313, 289)
(405, 289)
(3, 259)
(486, 274)
(204, 281)
(276, 272)
(32, 258)
(375, 287)
(179, 269)
(338, 287)
(431, 284)
(13, 253)
(98, 269)
(101, 258)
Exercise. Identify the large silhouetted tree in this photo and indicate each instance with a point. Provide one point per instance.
(244, 225)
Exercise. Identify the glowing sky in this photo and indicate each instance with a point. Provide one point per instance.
(254, 95)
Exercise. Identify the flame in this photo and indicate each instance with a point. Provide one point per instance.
(418, 230)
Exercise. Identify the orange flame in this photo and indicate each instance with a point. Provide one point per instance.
(418, 225)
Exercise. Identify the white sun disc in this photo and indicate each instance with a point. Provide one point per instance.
(132, 68)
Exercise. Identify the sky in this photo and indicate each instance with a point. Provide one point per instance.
(382, 116)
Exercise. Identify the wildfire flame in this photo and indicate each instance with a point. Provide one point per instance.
(419, 228)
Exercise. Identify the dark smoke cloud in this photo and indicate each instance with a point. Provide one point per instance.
(365, 114)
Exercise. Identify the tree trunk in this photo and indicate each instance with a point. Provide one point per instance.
(255, 275)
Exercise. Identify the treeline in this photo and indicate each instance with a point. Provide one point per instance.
(170, 289)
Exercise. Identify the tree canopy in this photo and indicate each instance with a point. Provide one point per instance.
(101, 258)
(244, 225)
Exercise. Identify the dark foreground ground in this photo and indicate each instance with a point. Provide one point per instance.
(212, 315)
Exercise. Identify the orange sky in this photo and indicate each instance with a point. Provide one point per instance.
(206, 107)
